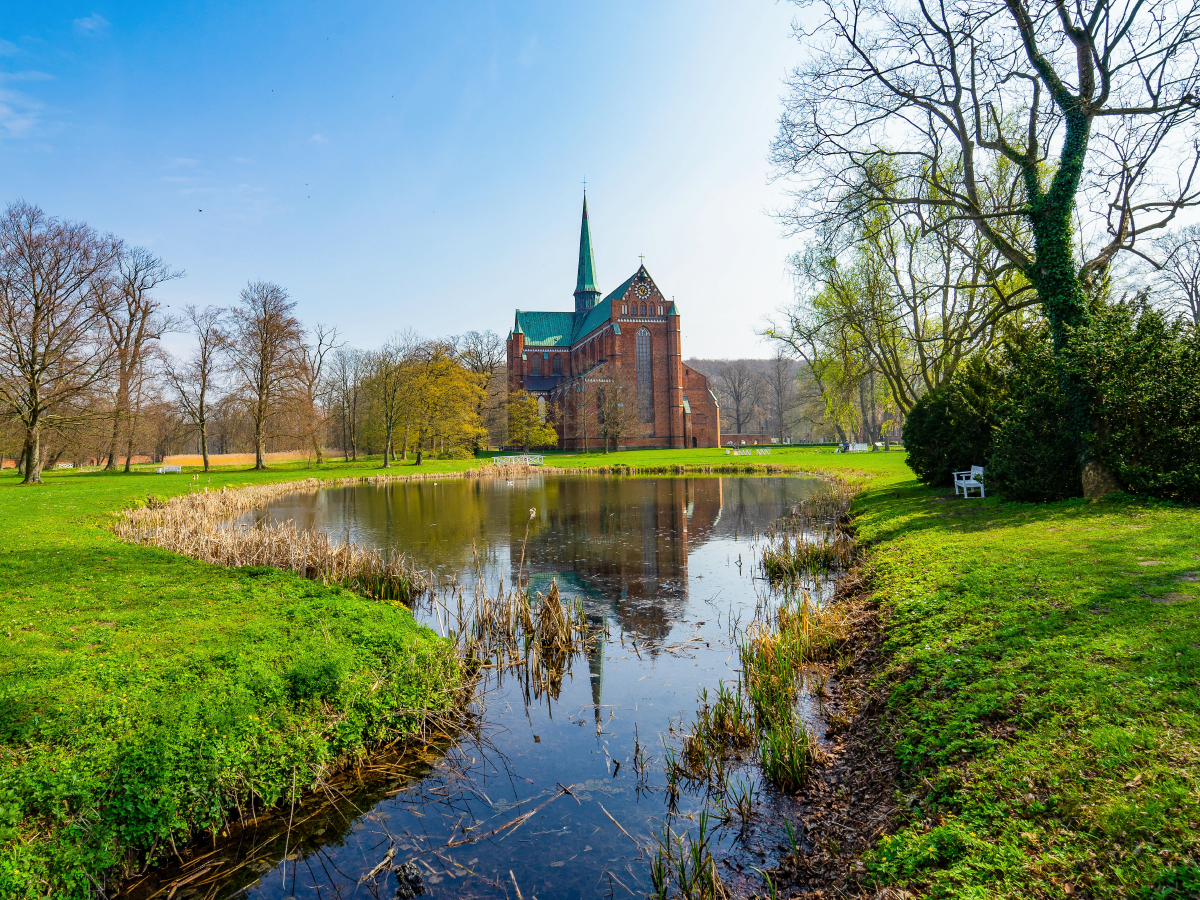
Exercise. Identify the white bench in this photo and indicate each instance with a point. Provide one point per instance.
(965, 482)
(169, 470)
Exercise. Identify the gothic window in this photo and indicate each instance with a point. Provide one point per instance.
(624, 309)
(557, 363)
(643, 309)
(537, 365)
(542, 408)
(645, 378)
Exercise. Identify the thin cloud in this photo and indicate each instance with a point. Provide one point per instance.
(528, 55)
(19, 115)
(319, 139)
(91, 25)
(8, 48)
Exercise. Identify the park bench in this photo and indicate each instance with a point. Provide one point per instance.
(859, 448)
(168, 470)
(965, 482)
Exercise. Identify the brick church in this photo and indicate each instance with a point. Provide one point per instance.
(628, 341)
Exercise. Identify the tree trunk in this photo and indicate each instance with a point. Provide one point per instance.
(260, 450)
(387, 448)
(129, 453)
(111, 465)
(204, 443)
(404, 446)
(33, 458)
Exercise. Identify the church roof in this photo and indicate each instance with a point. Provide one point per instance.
(585, 281)
(562, 329)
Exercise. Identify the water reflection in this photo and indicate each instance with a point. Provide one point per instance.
(664, 567)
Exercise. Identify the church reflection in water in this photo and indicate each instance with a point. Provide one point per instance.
(625, 552)
(622, 545)
(624, 556)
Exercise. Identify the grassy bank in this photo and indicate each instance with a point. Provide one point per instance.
(144, 696)
(1043, 689)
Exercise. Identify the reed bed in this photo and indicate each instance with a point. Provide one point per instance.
(527, 634)
(811, 542)
(684, 866)
(202, 524)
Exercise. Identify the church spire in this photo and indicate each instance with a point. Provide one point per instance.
(586, 292)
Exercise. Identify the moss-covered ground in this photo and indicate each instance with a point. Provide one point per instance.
(1041, 683)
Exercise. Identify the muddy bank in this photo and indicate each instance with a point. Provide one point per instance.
(849, 800)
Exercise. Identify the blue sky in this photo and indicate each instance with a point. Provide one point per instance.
(400, 165)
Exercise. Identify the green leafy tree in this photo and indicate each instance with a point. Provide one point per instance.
(528, 425)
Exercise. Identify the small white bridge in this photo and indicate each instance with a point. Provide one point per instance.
(522, 460)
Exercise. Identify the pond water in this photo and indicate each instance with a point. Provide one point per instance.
(666, 570)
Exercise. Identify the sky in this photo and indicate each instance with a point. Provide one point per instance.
(402, 165)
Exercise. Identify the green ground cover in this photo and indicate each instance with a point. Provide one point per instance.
(1043, 683)
(1042, 680)
(141, 692)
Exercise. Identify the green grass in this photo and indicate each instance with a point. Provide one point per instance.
(1043, 686)
(1042, 682)
(143, 694)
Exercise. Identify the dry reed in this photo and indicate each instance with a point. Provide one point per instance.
(202, 525)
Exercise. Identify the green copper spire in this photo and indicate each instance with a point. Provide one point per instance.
(586, 292)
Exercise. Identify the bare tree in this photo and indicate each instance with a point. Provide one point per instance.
(197, 379)
(742, 389)
(53, 275)
(134, 326)
(388, 380)
(264, 355)
(618, 402)
(346, 377)
(1062, 132)
(311, 385)
(1179, 269)
(781, 384)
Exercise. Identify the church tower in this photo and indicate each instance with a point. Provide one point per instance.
(587, 294)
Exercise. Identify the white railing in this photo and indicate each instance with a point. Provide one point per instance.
(164, 470)
(525, 459)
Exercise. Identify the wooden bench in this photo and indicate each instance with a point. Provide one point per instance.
(965, 482)
(169, 470)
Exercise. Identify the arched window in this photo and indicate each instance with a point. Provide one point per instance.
(542, 408)
(645, 377)
(643, 309)
(557, 363)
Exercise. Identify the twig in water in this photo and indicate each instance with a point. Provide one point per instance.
(618, 824)
(517, 886)
(384, 864)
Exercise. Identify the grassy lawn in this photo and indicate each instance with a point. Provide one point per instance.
(1043, 684)
(142, 694)
(1042, 681)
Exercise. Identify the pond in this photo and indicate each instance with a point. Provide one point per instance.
(666, 571)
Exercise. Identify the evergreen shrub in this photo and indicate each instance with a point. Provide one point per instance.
(1034, 456)
(1146, 371)
(950, 428)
